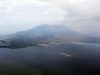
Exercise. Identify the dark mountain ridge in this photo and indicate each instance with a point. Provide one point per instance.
(45, 35)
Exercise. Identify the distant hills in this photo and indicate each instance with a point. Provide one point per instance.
(45, 35)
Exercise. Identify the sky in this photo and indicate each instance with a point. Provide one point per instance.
(20, 15)
(82, 16)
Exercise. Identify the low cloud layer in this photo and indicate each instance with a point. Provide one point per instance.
(82, 16)
(19, 15)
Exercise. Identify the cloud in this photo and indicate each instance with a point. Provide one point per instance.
(87, 8)
(17, 15)
(83, 17)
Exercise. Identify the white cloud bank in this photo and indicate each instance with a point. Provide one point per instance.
(80, 15)
(17, 15)
(85, 8)
(84, 15)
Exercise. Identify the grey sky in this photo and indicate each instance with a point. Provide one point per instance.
(19, 15)
(82, 16)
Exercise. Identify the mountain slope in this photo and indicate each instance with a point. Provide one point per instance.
(45, 35)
